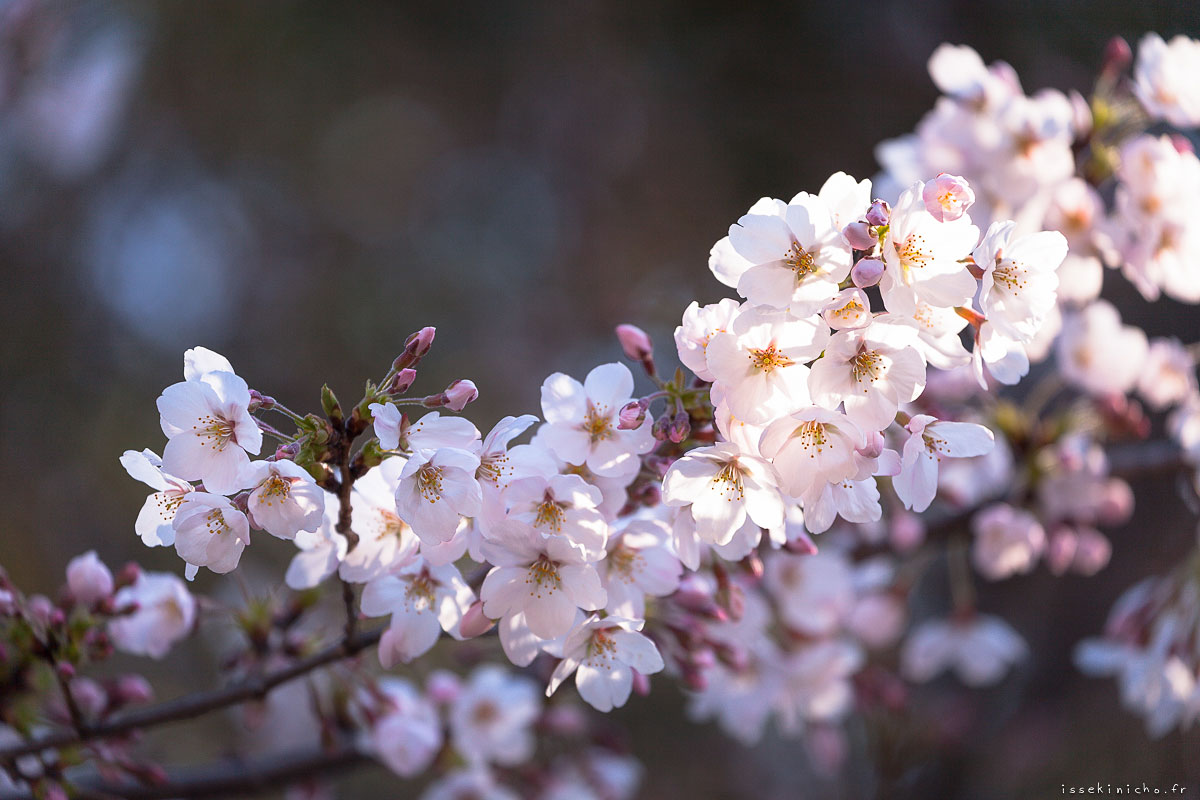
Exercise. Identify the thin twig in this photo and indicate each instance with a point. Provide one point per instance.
(225, 779)
(199, 703)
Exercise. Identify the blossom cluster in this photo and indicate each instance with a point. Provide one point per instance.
(756, 529)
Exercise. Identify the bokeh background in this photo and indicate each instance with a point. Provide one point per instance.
(301, 185)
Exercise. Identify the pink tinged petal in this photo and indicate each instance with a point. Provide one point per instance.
(563, 400)
(230, 389)
(610, 458)
(582, 584)
(145, 467)
(382, 596)
(309, 567)
(549, 611)
(759, 238)
(504, 591)
(199, 361)
(563, 671)
(916, 485)
(604, 688)
(153, 524)
(410, 635)
(963, 439)
(568, 442)
(519, 643)
(182, 404)
(247, 434)
(769, 284)
(608, 387)
(689, 477)
(687, 544)
(638, 651)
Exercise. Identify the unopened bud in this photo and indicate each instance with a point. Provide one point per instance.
(947, 197)
(89, 695)
(1182, 144)
(867, 272)
(415, 348)
(475, 622)
(859, 235)
(260, 401)
(637, 346)
(129, 574)
(330, 404)
(907, 531)
(287, 452)
(641, 684)
(874, 445)
(879, 213)
(660, 427)
(1117, 57)
(632, 415)
(88, 579)
(65, 669)
(443, 687)
(131, 690)
(459, 393)
(1092, 553)
(680, 427)
(1060, 552)
(403, 380)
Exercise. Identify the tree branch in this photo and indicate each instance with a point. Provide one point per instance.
(223, 779)
(198, 704)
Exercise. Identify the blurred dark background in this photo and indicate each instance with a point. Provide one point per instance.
(301, 185)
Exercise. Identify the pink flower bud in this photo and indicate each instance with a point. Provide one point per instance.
(459, 393)
(632, 415)
(660, 428)
(859, 235)
(1182, 144)
(475, 622)
(680, 427)
(634, 342)
(879, 213)
(89, 696)
(947, 197)
(1117, 57)
(415, 348)
(260, 401)
(88, 579)
(40, 609)
(443, 686)
(802, 545)
(867, 272)
(403, 380)
(1093, 552)
(873, 446)
(641, 684)
(65, 669)
(1116, 503)
(131, 690)
(287, 452)
(907, 531)
(128, 574)
(1060, 552)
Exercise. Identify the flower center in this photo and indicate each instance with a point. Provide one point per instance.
(492, 468)
(849, 311)
(811, 435)
(597, 423)
(934, 444)
(485, 713)
(800, 260)
(1009, 276)
(215, 522)
(389, 525)
(602, 647)
(543, 574)
(550, 515)
(768, 359)
(429, 482)
(913, 253)
(622, 561)
(867, 365)
(275, 488)
(214, 432)
(420, 591)
(729, 481)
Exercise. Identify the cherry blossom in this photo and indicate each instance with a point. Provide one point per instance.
(210, 531)
(929, 441)
(581, 421)
(871, 372)
(1019, 278)
(1007, 541)
(436, 488)
(284, 499)
(639, 564)
(407, 734)
(165, 613)
(154, 522)
(1164, 78)
(492, 717)
(423, 600)
(700, 323)
(724, 486)
(603, 653)
(1099, 354)
(980, 650)
(761, 362)
(209, 430)
(547, 578)
(88, 578)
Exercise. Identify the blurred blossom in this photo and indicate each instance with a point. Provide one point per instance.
(167, 251)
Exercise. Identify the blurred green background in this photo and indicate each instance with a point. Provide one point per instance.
(301, 185)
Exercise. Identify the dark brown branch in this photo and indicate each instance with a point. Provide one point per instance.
(224, 779)
(195, 705)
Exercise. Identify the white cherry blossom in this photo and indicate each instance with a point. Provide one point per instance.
(436, 488)
(761, 362)
(812, 447)
(492, 718)
(166, 612)
(871, 372)
(603, 653)
(1007, 541)
(639, 564)
(210, 531)
(1165, 78)
(154, 522)
(1019, 278)
(723, 487)
(545, 577)
(423, 600)
(980, 649)
(581, 421)
(699, 325)
(284, 498)
(209, 430)
(1099, 354)
(407, 734)
(929, 441)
